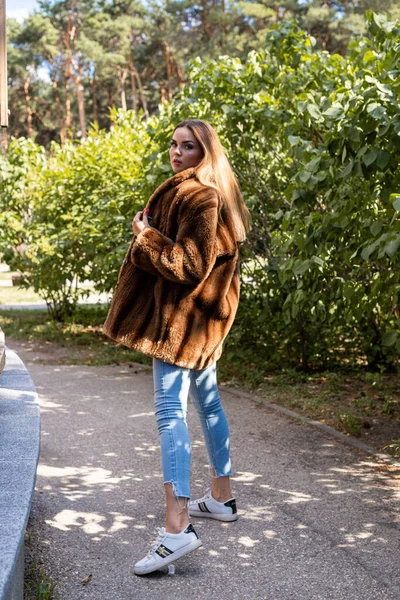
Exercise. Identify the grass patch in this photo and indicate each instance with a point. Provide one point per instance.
(37, 585)
(354, 401)
(18, 295)
(81, 336)
(7, 275)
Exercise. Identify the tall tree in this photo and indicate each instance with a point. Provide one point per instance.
(73, 60)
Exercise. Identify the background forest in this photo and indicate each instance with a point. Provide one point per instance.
(72, 60)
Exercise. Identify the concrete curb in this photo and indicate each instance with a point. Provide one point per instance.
(326, 428)
(19, 455)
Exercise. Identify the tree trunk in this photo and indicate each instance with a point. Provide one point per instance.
(168, 66)
(93, 84)
(325, 40)
(181, 81)
(68, 116)
(109, 97)
(141, 94)
(224, 28)
(80, 95)
(133, 84)
(4, 139)
(28, 109)
(63, 136)
(122, 75)
(204, 22)
(69, 35)
(172, 69)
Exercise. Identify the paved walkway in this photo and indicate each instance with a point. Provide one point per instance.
(318, 519)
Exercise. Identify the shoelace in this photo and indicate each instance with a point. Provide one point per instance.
(161, 535)
(207, 496)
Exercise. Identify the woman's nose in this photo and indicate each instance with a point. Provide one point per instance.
(177, 151)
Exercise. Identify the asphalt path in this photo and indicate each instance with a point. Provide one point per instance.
(318, 520)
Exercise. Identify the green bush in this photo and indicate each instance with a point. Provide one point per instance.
(315, 141)
(66, 217)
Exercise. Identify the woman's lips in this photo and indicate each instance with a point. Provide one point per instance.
(176, 162)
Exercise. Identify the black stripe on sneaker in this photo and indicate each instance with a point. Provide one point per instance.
(203, 507)
(190, 529)
(163, 551)
(232, 505)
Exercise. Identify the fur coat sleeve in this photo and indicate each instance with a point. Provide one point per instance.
(189, 259)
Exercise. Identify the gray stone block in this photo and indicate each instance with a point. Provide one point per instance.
(18, 439)
(16, 477)
(19, 455)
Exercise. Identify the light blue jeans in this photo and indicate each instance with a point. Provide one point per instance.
(172, 386)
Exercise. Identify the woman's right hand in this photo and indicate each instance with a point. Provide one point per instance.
(140, 221)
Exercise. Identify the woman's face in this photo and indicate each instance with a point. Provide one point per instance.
(185, 150)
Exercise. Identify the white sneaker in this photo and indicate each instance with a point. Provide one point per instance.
(168, 548)
(209, 508)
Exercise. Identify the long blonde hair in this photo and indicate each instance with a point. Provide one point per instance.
(215, 171)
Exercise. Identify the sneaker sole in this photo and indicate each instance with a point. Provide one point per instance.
(216, 516)
(169, 559)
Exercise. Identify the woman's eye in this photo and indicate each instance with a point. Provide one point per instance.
(189, 147)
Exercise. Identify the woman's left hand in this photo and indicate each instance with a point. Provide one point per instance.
(140, 221)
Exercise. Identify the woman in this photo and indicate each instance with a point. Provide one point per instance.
(175, 300)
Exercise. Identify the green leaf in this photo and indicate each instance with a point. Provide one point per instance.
(348, 292)
(395, 199)
(294, 139)
(369, 56)
(354, 134)
(305, 176)
(391, 247)
(301, 267)
(370, 157)
(368, 250)
(383, 159)
(313, 165)
(314, 111)
(346, 172)
(376, 228)
(376, 111)
(317, 260)
(333, 111)
(321, 175)
(379, 19)
(383, 129)
(227, 109)
(389, 338)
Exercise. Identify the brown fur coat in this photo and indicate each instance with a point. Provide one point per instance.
(178, 287)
